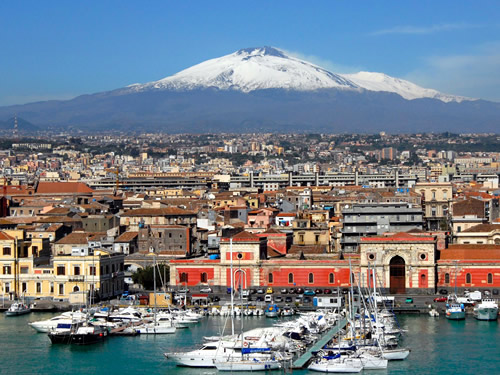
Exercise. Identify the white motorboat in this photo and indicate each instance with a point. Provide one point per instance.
(18, 308)
(126, 315)
(486, 310)
(45, 326)
(205, 356)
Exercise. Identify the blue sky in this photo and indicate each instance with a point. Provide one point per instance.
(61, 49)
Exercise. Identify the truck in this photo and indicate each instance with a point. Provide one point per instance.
(474, 296)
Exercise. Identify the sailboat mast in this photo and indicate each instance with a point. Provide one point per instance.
(232, 285)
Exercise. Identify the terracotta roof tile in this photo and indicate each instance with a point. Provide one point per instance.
(4, 236)
(63, 188)
(484, 228)
(127, 237)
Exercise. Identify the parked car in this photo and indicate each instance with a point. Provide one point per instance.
(292, 290)
(318, 291)
(269, 290)
(260, 299)
(183, 291)
(443, 292)
(307, 300)
(253, 291)
(409, 300)
(300, 291)
(278, 299)
(245, 293)
(309, 292)
(288, 299)
(215, 299)
(206, 290)
(327, 291)
(284, 291)
(298, 299)
(260, 291)
(268, 298)
(440, 299)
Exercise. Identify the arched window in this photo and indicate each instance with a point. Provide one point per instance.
(490, 278)
(311, 278)
(468, 278)
(331, 278)
(76, 288)
(290, 278)
(204, 277)
(446, 278)
(270, 278)
(184, 277)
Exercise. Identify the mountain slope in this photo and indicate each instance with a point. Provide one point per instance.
(263, 89)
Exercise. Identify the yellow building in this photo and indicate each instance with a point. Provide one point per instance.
(28, 270)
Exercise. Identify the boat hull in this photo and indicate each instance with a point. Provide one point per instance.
(396, 354)
(17, 312)
(247, 366)
(335, 368)
(488, 313)
(455, 315)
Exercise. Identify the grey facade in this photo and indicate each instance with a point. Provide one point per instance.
(372, 219)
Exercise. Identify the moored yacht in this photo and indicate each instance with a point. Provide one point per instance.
(486, 310)
(18, 308)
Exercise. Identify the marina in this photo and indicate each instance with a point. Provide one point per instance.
(434, 343)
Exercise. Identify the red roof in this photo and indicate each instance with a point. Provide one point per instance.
(471, 252)
(63, 188)
(4, 236)
(242, 236)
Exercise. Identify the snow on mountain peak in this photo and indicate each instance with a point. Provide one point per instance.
(252, 69)
(382, 82)
(259, 68)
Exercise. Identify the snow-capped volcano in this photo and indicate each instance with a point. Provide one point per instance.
(252, 69)
(262, 68)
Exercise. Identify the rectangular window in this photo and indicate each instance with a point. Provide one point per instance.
(7, 270)
(77, 270)
(39, 288)
(25, 270)
(61, 270)
(61, 289)
(51, 288)
(92, 270)
(6, 251)
(24, 287)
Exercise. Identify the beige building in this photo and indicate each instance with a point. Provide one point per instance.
(486, 234)
(436, 200)
(403, 263)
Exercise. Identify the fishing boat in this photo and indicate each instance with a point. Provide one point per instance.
(272, 311)
(486, 310)
(18, 308)
(454, 310)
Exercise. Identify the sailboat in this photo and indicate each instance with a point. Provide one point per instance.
(158, 326)
(455, 310)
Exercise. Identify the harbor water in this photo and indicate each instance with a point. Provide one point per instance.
(438, 346)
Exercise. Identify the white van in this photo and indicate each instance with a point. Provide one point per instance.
(268, 298)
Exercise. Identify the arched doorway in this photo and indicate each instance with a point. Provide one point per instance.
(397, 273)
(240, 279)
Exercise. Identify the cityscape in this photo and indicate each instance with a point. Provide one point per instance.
(258, 208)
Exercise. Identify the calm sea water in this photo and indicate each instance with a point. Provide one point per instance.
(438, 346)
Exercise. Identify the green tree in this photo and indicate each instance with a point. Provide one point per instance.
(144, 276)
